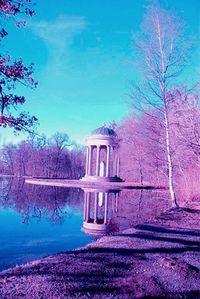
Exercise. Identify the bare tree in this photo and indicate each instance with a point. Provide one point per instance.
(163, 55)
(9, 152)
(60, 141)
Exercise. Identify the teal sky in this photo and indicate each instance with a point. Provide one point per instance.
(82, 52)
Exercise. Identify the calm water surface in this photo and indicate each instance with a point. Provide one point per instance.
(36, 221)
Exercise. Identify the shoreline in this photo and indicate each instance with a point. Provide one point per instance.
(159, 258)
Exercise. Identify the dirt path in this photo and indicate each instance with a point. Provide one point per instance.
(158, 259)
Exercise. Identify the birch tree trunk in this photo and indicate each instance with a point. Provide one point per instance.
(169, 162)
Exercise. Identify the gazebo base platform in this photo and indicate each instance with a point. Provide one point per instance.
(91, 184)
(102, 179)
(97, 230)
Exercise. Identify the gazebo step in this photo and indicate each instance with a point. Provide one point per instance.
(101, 179)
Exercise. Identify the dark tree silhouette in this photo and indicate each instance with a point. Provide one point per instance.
(14, 72)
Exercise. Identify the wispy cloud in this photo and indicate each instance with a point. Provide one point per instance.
(59, 34)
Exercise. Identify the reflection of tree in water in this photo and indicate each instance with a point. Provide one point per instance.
(138, 206)
(139, 203)
(33, 201)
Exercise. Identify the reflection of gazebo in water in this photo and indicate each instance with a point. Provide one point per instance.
(99, 209)
(102, 157)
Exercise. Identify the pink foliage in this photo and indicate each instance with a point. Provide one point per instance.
(143, 156)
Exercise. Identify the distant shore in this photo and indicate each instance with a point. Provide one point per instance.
(157, 259)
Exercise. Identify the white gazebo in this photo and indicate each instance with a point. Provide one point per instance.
(102, 156)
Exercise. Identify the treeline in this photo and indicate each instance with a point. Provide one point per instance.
(55, 157)
(143, 147)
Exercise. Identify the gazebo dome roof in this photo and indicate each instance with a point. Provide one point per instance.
(104, 131)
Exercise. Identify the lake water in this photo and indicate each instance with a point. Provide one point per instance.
(36, 221)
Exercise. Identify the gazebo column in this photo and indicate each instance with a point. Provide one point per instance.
(106, 209)
(116, 202)
(85, 206)
(115, 162)
(87, 160)
(87, 210)
(95, 207)
(117, 170)
(98, 160)
(108, 161)
(90, 160)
